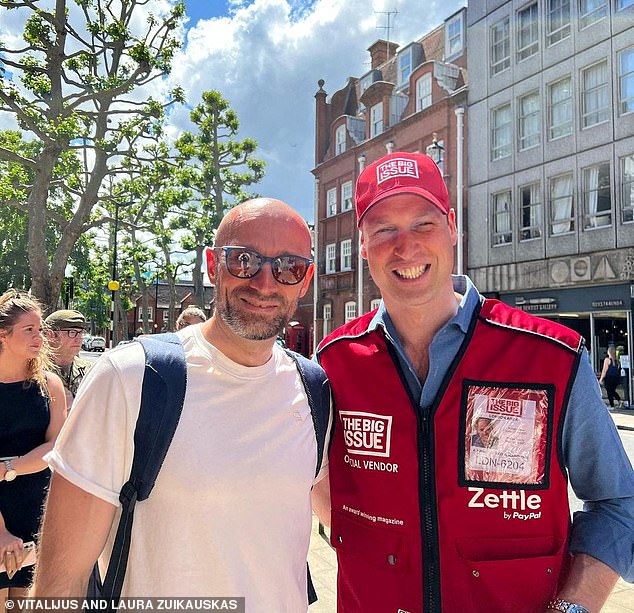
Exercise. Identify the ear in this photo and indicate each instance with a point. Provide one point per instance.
(364, 253)
(210, 257)
(306, 282)
(451, 221)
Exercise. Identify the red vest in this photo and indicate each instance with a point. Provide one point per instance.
(426, 515)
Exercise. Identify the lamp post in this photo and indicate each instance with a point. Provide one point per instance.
(113, 285)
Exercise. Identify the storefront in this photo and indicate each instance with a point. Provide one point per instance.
(602, 314)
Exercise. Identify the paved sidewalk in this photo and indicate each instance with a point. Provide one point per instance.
(623, 418)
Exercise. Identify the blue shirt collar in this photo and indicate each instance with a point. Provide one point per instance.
(470, 300)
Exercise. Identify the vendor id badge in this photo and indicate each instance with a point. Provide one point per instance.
(506, 431)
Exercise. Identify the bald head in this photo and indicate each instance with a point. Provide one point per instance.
(279, 222)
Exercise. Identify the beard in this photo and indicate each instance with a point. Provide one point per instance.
(253, 326)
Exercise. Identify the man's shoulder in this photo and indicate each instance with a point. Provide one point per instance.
(517, 320)
(353, 329)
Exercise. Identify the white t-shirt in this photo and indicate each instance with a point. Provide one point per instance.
(230, 514)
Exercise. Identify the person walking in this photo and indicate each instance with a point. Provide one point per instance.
(611, 376)
(230, 513)
(32, 410)
(424, 519)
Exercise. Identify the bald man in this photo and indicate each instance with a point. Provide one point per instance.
(230, 514)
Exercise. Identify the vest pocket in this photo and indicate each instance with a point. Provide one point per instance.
(376, 572)
(514, 574)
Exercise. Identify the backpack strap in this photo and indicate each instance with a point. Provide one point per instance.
(162, 397)
(318, 394)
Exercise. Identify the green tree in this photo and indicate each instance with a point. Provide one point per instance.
(217, 169)
(73, 88)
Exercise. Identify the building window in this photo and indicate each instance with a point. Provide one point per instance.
(529, 121)
(375, 303)
(404, 67)
(626, 81)
(150, 314)
(423, 92)
(561, 205)
(376, 120)
(454, 37)
(557, 21)
(350, 311)
(597, 196)
(627, 188)
(331, 258)
(501, 133)
(500, 46)
(595, 97)
(340, 140)
(502, 233)
(346, 196)
(327, 317)
(527, 32)
(530, 212)
(623, 3)
(331, 202)
(591, 11)
(560, 109)
(346, 254)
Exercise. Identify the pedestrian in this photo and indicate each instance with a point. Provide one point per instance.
(422, 518)
(32, 409)
(191, 315)
(611, 375)
(230, 513)
(65, 332)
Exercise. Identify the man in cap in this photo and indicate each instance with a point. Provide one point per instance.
(65, 332)
(423, 520)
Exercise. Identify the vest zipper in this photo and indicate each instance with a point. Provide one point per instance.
(426, 497)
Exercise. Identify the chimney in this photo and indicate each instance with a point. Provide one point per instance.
(381, 51)
(322, 126)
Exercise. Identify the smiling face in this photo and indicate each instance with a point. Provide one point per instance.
(258, 308)
(409, 245)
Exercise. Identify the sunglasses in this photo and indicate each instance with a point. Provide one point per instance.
(245, 263)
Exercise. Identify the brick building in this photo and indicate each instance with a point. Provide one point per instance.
(407, 101)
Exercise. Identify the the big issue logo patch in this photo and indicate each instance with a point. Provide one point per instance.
(367, 434)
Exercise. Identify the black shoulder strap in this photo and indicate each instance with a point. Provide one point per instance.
(162, 397)
(318, 393)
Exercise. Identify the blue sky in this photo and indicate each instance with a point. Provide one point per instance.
(266, 56)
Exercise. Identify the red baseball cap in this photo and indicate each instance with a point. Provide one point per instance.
(400, 173)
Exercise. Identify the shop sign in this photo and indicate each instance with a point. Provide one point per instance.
(537, 305)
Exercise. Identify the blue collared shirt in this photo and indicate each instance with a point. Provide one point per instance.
(599, 470)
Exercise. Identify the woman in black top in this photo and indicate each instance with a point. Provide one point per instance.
(611, 375)
(32, 410)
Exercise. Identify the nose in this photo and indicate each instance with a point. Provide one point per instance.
(264, 280)
(404, 244)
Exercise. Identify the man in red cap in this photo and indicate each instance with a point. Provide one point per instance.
(424, 519)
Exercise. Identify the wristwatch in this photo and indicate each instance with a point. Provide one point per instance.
(10, 473)
(558, 604)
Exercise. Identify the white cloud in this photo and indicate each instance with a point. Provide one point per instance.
(265, 57)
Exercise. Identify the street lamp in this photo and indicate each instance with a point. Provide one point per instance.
(435, 152)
